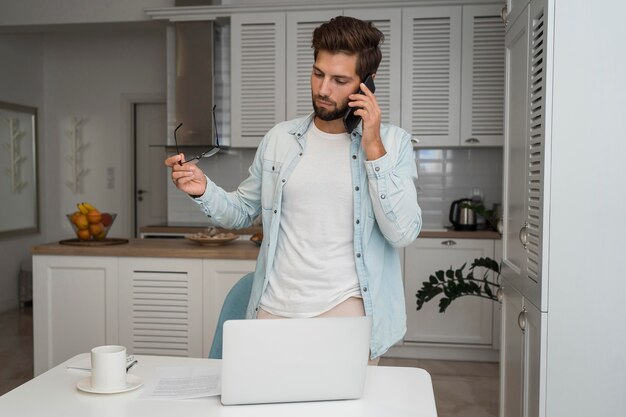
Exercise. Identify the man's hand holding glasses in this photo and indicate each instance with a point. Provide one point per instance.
(186, 175)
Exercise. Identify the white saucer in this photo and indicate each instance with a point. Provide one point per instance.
(132, 382)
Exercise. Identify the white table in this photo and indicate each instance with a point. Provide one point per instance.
(389, 391)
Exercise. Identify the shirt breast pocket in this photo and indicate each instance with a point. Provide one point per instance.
(271, 174)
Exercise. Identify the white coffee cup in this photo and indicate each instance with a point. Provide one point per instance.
(108, 368)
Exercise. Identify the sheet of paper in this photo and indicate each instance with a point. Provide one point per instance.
(180, 383)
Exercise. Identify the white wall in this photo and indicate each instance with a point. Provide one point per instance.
(82, 73)
(40, 12)
(86, 75)
(21, 82)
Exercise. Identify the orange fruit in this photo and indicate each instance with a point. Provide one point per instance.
(94, 216)
(81, 222)
(96, 229)
(83, 234)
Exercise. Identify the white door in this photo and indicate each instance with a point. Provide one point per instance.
(150, 173)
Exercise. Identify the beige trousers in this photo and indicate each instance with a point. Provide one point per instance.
(352, 307)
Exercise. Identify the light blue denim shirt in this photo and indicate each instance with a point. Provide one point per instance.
(386, 216)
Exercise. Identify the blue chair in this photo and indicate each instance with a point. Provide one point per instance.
(234, 308)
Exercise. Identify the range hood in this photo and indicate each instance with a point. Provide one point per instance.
(194, 83)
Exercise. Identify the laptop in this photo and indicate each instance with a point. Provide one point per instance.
(289, 360)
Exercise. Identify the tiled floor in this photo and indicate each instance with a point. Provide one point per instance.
(462, 389)
(16, 348)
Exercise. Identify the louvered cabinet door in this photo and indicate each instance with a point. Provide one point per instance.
(257, 76)
(482, 82)
(300, 27)
(431, 78)
(160, 306)
(387, 80)
(536, 153)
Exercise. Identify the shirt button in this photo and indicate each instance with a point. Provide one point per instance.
(358, 255)
(364, 289)
(275, 211)
(256, 309)
(209, 216)
(284, 180)
(273, 168)
(382, 196)
(358, 221)
(356, 188)
(353, 156)
(300, 154)
(377, 169)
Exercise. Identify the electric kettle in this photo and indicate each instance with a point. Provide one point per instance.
(462, 218)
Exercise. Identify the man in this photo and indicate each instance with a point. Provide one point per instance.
(335, 206)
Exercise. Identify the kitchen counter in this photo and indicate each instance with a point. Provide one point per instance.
(182, 230)
(460, 234)
(156, 248)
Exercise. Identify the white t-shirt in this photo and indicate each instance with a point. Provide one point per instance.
(314, 267)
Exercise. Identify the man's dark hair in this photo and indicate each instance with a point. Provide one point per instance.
(351, 36)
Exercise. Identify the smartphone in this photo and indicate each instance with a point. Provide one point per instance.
(350, 120)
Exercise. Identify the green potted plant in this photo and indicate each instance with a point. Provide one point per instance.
(482, 280)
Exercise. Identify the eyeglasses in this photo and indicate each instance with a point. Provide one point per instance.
(206, 154)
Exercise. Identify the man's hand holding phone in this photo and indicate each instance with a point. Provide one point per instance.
(186, 177)
(369, 111)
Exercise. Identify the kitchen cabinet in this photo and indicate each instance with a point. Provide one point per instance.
(520, 360)
(151, 305)
(455, 88)
(74, 307)
(525, 152)
(161, 306)
(257, 76)
(452, 95)
(466, 330)
(559, 349)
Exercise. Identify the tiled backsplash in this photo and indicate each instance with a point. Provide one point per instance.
(444, 175)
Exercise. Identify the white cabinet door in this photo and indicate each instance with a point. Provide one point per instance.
(74, 306)
(536, 173)
(482, 80)
(160, 306)
(219, 277)
(533, 341)
(525, 153)
(300, 26)
(431, 87)
(511, 354)
(468, 320)
(257, 76)
(516, 122)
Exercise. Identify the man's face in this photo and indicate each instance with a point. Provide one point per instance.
(333, 79)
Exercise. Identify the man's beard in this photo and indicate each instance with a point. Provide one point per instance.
(329, 115)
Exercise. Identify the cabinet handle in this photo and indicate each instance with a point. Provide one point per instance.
(521, 319)
(504, 14)
(472, 140)
(523, 235)
(448, 243)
